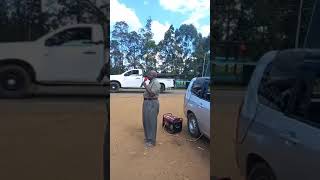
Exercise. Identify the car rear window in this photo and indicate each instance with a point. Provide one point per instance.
(274, 89)
(293, 91)
(196, 88)
(201, 88)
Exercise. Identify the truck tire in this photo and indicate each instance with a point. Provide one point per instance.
(162, 88)
(15, 82)
(114, 87)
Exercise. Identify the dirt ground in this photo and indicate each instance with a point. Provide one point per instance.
(173, 158)
(224, 115)
(52, 138)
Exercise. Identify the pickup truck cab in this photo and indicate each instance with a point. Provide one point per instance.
(133, 79)
(72, 54)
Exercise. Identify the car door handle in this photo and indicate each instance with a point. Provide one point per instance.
(200, 106)
(290, 137)
(137, 78)
(89, 52)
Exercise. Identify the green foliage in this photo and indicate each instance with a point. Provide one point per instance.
(149, 47)
(167, 48)
(262, 25)
(181, 51)
(26, 20)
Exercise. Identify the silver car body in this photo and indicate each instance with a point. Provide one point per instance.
(290, 147)
(199, 107)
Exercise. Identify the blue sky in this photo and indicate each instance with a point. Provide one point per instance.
(163, 13)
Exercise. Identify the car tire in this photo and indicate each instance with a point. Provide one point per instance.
(162, 88)
(114, 87)
(261, 171)
(15, 82)
(193, 126)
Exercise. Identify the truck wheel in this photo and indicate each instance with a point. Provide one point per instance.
(261, 171)
(15, 82)
(114, 87)
(162, 88)
(193, 126)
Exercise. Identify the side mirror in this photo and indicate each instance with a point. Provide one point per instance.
(126, 74)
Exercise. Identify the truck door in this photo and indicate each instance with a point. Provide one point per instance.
(132, 79)
(72, 56)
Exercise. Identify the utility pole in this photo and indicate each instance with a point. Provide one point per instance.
(204, 62)
(298, 25)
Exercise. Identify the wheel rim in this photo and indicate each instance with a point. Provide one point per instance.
(192, 125)
(12, 82)
(113, 87)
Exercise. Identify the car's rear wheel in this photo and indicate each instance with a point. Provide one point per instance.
(15, 82)
(261, 171)
(162, 88)
(193, 127)
(114, 87)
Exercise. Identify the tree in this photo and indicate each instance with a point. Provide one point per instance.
(186, 39)
(119, 39)
(134, 46)
(167, 52)
(149, 47)
(181, 51)
(262, 25)
(117, 58)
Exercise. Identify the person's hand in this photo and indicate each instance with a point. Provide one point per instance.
(144, 83)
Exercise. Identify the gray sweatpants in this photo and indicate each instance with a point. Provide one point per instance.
(150, 113)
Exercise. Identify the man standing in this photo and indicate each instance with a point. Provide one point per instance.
(150, 109)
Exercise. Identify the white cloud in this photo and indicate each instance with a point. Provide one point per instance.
(185, 6)
(194, 18)
(205, 30)
(195, 9)
(159, 30)
(120, 12)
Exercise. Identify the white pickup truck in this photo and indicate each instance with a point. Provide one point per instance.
(73, 54)
(133, 79)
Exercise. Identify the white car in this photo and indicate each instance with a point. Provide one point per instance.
(133, 79)
(73, 54)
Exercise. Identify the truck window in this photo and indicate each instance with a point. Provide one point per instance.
(133, 72)
(71, 37)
